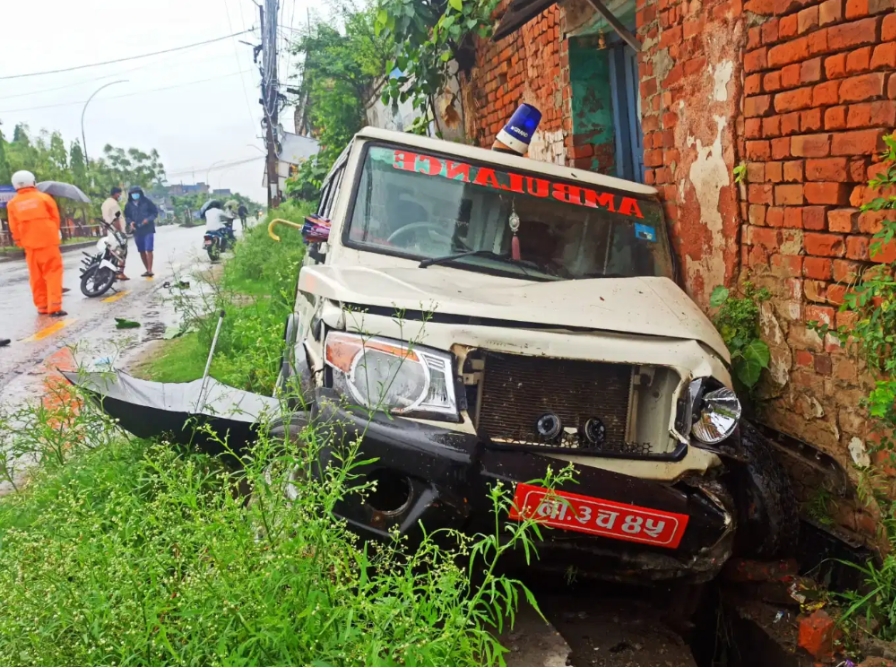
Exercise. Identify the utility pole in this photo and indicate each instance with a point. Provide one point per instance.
(270, 95)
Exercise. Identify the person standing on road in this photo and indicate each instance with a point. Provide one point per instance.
(112, 215)
(243, 212)
(35, 227)
(140, 214)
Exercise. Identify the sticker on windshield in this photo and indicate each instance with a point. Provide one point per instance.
(518, 183)
(645, 232)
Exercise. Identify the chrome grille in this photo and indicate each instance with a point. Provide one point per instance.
(519, 390)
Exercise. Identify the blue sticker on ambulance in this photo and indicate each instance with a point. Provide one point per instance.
(645, 232)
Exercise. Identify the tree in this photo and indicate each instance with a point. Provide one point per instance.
(77, 165)
(5, 173)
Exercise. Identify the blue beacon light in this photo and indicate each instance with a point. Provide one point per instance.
(516, 135)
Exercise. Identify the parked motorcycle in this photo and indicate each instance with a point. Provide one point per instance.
(218, 241)
(100, 269)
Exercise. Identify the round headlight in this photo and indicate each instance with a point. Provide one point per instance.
(720, 412)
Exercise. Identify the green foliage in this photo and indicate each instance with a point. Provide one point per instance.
(428, 36)
(740, 173)
(737, 320)
(336, 78)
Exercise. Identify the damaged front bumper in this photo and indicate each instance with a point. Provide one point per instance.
(440, 478)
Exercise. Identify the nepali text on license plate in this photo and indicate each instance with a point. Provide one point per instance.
(586, 514)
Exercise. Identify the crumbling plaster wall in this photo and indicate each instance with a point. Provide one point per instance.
(690, 69)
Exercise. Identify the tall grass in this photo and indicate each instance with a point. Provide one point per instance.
(124, 551)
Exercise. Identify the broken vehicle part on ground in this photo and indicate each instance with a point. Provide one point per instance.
(489, 316)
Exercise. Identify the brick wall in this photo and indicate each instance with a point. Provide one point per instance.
(532, 66)
(819, 93)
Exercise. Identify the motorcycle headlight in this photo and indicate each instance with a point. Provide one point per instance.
(394, 376)
(717, 413)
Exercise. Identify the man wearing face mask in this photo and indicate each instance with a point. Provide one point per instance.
(140, 214)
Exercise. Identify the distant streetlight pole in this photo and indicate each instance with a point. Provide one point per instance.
(84, 111)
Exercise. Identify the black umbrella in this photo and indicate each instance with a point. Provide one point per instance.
(64, 190)
(175, 410)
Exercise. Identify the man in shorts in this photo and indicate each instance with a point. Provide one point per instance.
(140, 214)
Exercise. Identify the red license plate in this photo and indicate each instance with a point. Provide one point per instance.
(208, 242)
(599, 517)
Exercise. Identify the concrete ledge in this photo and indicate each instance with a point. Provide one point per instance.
(65, 248)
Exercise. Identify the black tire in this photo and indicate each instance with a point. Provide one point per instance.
(768, 515)
(96, 281)
(214, 252)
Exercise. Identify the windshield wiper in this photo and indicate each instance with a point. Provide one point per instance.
(456, 256)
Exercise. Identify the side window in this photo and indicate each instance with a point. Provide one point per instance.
(324, 193)
(332, 193)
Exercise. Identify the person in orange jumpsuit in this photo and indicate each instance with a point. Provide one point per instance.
(34, 223)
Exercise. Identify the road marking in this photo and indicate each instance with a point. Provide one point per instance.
(115, 297)
(49, 331)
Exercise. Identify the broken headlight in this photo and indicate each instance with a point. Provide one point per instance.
(714, 412)
(388, 375)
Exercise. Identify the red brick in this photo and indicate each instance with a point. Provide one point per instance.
(827, 192)
(835, 66)
(810, 146)
(885, 254)
(789, 52)
(774, 217)
(871, 222)
(858, 60)
(857, 168)
(817, 268)
(857, 197)
(813, 218)
(805, 358)
(771, 126)
(755, 172)
(807, 19)
(653, 158)
(891, 87)
(765, 237)
(815, 291)
(780, 148)
(771, 82)
(856, 8)
(752, 84)
(810, 71)
(826, 94)
(858, 142)
(763, 7)
(884, 56)
(774, 172)
(846, 271)
(830, 11)
(787, 265)
(790, 123)
(835, 295)
(754, 37)
(757, 105)
(793, 217)
(789, 194)
(857, 248)
(818, 42)
(842, 220)
(757, 214)
(835, 118)
(752, 128)
(888, 29)
(770, 31)
(801, 98)
(824, 245)
(759, 193)
(826, 169)
(818, 632)
(756, 60)
(855, 33)
(862, 87)
(810, 120)
(790, 76)
(823, 314)
(793, 170)
(873, 114)
(787, 26)
(757, 150)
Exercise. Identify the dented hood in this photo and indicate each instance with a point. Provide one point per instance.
(647, 306)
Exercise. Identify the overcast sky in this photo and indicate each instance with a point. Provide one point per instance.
(209, 111)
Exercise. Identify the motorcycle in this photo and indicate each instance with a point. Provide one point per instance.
(101, 269)
(218, 241)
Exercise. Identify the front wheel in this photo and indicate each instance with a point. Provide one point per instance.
(96, 281)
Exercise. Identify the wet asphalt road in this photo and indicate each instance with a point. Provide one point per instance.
(90, 322)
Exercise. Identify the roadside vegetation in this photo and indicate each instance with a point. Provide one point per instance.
(124, 551)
